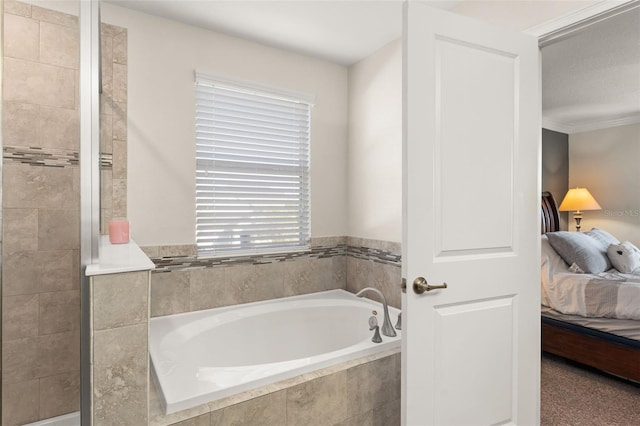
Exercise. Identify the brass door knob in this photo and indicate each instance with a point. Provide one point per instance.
(420, 285)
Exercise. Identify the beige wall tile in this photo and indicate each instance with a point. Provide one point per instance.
(270, 281)
(169, 293)
(19, 316)
(387, 414)
(365, 273)
(20, 274)
(54, 17)
(106, 104)
(120, 376)
(40, 187)
(120, 299)
(21, 37)
(322, 401)
(177, 250)
(19, 360)
(58, 229)
(119, 159)
(309, 275)
(120, 48)
(39, 84)
(207, 288)
(20, 230)
(241, 284)
(203, 420)
(59, 312)
(110, 30)
(17, 8)
(17, 124)
(106, 133)
(59, 45)
(58, 270)
(371, 385)
(30, 272)
(106, 190)
(119, 82)
(59, 394)
(58, 353)
(59, 128)
(266, 410)
(106, 49)
(119, 125)
(119, 198)
(151, 251)
(19, 403)
(365, 419)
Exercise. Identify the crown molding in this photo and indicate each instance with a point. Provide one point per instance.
(590, 125)
(559, 28)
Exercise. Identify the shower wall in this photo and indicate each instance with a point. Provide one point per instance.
(40, 294)
(41, 203)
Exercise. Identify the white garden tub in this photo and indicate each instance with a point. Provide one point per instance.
(202, 356)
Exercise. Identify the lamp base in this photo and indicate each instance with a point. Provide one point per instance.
(578, 217)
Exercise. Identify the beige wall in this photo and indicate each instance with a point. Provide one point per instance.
(606, 163)
(375, 145)
(163, 55)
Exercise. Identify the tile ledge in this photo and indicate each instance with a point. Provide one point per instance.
(119, 258)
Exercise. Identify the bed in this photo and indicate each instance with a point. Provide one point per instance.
(607, 344)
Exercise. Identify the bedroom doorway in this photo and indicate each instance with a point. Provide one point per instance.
(589, 76)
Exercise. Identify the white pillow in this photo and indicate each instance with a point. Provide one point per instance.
(624, 257)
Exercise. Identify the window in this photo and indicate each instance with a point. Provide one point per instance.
(252, 169)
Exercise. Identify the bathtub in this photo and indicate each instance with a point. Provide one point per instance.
(202, 356)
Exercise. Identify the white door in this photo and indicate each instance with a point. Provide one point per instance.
(471, 352)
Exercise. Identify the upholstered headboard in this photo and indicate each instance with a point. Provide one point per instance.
(550, 218)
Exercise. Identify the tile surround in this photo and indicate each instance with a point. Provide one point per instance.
(326, 397)
(41, 135)
(182, 282)
(119, 346)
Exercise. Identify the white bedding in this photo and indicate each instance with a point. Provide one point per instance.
(608, 294)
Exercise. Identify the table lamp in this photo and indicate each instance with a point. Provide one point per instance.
(577, 200)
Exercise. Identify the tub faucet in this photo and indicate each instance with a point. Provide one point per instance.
(387, 328)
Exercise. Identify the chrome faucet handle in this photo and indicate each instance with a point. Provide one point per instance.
(399, 322)
(373, 322)
(373, 325)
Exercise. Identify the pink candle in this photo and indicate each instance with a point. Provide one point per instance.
(119, 231)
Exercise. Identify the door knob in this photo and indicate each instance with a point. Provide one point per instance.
(420, 285)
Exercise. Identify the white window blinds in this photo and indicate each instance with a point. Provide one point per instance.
(252, 169)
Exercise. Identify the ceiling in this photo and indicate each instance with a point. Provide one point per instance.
(590, 80)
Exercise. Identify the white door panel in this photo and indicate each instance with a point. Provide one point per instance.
(471, 150)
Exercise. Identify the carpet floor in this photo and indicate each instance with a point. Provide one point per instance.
(577, 396)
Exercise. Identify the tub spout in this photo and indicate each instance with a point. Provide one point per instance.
(387, 328)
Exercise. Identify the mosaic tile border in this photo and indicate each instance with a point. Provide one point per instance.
(34, 156)
(190, 261)
(49, 157)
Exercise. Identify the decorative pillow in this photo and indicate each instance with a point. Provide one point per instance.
(630, 245)
(581, 249)
(624, 257)
(603, 239)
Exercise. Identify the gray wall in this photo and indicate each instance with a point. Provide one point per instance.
(555, 167)
(606, 162)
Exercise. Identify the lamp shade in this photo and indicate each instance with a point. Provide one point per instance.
(578, 199)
